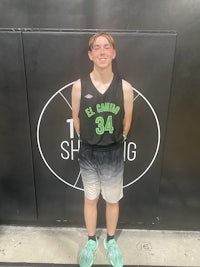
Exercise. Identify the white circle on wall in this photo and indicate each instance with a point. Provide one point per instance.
(76, 178)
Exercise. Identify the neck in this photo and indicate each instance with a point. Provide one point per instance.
(103, 76)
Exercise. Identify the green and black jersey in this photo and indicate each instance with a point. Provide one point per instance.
(101, 115)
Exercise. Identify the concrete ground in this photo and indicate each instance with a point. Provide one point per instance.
(59, 245)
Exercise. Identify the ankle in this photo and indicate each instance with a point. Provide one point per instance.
(110, 237)
(92, 237)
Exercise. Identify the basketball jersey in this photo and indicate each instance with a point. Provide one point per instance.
(101, 115)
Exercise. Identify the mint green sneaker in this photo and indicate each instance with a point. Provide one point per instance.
(88, 253)
(113, 253)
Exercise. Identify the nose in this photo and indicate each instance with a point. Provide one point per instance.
(102, 50)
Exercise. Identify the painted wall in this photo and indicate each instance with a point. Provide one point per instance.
(35, 65)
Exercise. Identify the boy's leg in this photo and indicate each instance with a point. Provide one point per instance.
(90, 215)
(112, 215)
(113, 251)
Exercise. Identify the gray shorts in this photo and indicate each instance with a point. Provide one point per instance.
(102, 171)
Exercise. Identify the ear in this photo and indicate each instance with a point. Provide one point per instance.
(114, 54)
(90, 55)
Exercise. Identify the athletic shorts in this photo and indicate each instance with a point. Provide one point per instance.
(102, 171)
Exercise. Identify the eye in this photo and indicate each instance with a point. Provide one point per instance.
(107, 46)
(96, 47)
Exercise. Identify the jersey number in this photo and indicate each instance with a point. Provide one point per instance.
(104, 127)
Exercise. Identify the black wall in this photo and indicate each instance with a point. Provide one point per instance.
(177, 202)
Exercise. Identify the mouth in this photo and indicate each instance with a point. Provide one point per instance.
(102, 59)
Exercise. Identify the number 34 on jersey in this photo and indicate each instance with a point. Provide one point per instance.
(103, 125)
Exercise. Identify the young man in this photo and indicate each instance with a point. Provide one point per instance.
(102, 107)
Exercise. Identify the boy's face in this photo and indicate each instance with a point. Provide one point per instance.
(102, 52)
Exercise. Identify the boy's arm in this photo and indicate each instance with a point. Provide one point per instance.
(76, 98)
(128, 106)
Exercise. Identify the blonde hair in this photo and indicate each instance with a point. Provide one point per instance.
(104, 34)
